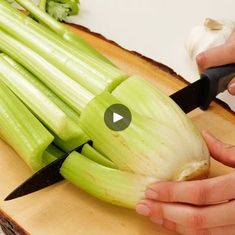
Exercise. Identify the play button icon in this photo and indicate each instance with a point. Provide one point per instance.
(117, 117)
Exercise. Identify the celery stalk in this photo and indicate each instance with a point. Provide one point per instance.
(91, 73)
(68, 90)
(68, 35)
(95, 156)
(21, 130)
(111, 185)
(31, 92)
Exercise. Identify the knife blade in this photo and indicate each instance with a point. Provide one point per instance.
(198, 94)
(46, 176)
(43, 178)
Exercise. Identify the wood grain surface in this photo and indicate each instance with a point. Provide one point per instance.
(64, 209)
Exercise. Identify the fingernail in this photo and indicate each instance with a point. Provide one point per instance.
(200, 57)
(143, 209)
(208, 134)
(157, 220)
(204, 132)
(200, 61)
(231, 88)
(151, 194)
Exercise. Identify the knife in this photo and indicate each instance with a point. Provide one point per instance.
(198, 94)
(48, 175)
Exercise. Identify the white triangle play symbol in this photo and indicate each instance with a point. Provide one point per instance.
(117, 117)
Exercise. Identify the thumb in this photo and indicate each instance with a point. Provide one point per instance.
(220, 55)
(231, 87)
(216, 56)
(220, 151)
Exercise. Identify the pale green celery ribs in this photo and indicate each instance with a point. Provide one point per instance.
(35, 95)
(53, 112)
(56, 115)
(93, 74)
(62, 85)
(61, 30)
(21, 130)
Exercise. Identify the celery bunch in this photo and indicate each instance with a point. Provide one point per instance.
(67, 86)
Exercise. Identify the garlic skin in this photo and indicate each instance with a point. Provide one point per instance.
(210, 34)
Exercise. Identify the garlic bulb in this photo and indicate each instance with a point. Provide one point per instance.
(212, 33)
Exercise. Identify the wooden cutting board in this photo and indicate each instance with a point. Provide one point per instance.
(64, 209)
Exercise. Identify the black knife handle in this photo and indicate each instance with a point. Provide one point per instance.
(218, 79)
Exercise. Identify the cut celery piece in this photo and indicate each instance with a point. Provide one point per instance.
(95, 156)
(51, 154)
(24, 85)
(47, 158)
(67, 89)
(91, 73)
(111, 185)
(54, 151)
(21, 130)
(72, 144)
(60, 29)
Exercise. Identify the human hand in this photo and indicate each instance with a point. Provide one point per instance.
(220, 55)
(202, 207)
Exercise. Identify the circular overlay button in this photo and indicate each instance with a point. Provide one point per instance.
(117, 117)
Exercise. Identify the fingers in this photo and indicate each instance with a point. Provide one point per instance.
(224, 153)
(201, 192)
(192, 217)
(226, 230)
(171, 211)
(164, 223)
(217, 56)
